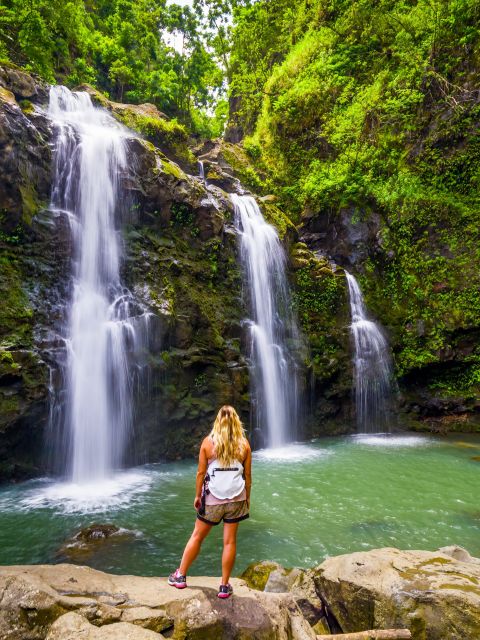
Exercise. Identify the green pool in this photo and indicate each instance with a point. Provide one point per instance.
(309, 501)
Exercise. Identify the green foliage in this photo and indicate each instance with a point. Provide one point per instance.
(121, 46)
(183, 216)
(243, 167)
(371, 107)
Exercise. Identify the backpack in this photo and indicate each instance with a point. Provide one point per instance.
(225, 483)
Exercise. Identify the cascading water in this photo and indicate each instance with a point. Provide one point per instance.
(372, 363)
(201, 172)
(272, 328)
(103, 323)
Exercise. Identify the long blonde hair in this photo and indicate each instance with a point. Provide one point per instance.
(228, 436)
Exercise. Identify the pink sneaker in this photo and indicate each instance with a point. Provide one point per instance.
(177, 580)
(225, 591)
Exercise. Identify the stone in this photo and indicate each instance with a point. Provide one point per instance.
(153, 619)
(459, 553)
(434, 595)
(73, 626)
(308, 601)
(7, 96)
(21, 84)
(257, 573)
(281, 580)
(66, 602)
(91, 539)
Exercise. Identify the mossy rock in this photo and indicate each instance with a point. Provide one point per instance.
(257, 573)
(237, 158)
(168, 135)
(279, 219)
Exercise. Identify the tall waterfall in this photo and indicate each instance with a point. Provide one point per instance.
(101, 330)
(274, 372)
(373, 370)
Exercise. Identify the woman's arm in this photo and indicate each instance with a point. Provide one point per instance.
(201, 471)
(247, 471)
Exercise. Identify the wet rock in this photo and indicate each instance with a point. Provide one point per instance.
(23, 85)
(93, 539)
(349, 237)
(430, 593)
(96, 532)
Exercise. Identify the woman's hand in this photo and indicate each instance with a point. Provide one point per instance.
(197, 503)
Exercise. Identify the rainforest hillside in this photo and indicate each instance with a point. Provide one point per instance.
(363, 118)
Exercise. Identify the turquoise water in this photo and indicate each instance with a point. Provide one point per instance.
(309, 501)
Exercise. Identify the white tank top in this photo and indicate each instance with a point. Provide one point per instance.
(225, 482)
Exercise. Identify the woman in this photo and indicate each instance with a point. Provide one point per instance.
(224, 474)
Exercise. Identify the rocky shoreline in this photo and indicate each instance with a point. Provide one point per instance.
(434, 595)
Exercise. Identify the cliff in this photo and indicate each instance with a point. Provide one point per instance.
(363, 120)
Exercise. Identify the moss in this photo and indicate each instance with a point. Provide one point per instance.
(278, 218)
(184, 217)
(7, 96)
(465, 588)
(256, 574)
(16, 316)
(243, 167)
(437, 560)
(168, 135)
(30, 202)
(27, 107)
(173, 169)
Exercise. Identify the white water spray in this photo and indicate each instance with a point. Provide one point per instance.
(274, 371)
(372, 363)
(102, 329)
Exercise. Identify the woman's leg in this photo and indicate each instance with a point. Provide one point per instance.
(229, 549)
(200, 532)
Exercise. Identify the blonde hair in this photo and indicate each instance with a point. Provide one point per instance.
(228, 436)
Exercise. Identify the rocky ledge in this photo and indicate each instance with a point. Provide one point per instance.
(433, 595)
(66, 602)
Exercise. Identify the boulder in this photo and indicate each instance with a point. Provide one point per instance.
(72, 626)
(271, 577)
(63, 602)
(434, 595)
(86, 542)
(22, 84)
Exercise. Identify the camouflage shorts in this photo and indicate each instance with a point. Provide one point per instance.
(229, 512)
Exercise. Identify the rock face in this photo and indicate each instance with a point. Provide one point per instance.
(27, 263)
(434, 595)
(180, 262)
(66, 602)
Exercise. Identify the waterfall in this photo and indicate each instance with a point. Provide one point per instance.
(201, 172)
(272, 329)
(103, 322)
(372, 364)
